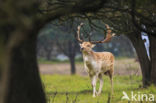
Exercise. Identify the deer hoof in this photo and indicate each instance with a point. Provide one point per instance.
(94, 96)
(98, 93)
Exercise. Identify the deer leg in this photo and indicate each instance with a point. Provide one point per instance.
(94, 80)
(101, 84)
(110, 73)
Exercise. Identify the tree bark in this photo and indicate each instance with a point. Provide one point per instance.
(153, 58)
(71, 56)
(142, 56)
(21, 79)
(48, 54)
(24, 84)
(72, 64)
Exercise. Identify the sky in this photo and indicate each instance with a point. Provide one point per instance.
(147, 44)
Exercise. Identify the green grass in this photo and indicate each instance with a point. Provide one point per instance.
(56, 61)
(77, 89)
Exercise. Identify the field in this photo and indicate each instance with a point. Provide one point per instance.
(123, 66)
(61, 87)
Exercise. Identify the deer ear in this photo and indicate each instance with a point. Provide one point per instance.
(93, 45)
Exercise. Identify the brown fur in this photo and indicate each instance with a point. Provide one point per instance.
(103, 59)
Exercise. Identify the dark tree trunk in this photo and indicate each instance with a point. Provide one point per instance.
(48, 55)
(72, 64)
(153, 58)
(71, 56)
(24, 84)
(142, 56)
(22, 77)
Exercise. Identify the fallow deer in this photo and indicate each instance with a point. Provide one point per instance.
(97, 63)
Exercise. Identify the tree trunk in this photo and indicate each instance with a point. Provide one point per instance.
(142, 56)
(24, 84)
(153, 58)
(48, 55)
(72, 64)
(71, 56)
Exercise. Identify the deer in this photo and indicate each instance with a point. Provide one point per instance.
(97, 64)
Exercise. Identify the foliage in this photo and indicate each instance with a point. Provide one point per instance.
(63, 33)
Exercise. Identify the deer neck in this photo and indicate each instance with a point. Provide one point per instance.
(88, 56)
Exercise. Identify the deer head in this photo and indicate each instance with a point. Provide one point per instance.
(87, 46)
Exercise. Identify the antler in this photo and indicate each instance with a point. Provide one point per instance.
(78, 33)
(108, 36)
(107, 39)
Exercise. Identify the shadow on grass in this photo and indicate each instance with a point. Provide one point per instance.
(90, 91)
(110, 98)
(72, 92)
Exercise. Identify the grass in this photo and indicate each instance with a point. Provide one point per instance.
(77, 89)
(56, 61)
